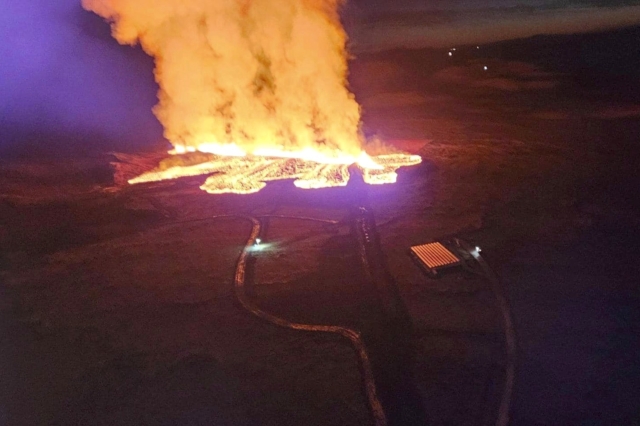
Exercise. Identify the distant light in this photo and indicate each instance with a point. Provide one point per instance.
(486, 68)
(258, 241)
(450, 54)
(477, 47)
(453, 48)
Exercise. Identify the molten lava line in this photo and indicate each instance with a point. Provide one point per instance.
(249, 174)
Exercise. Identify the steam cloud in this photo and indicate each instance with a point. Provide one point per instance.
(258, 73)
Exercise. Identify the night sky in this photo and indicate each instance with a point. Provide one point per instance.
(62, 74)
(381, 24)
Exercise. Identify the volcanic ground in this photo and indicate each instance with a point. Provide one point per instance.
(117, 301)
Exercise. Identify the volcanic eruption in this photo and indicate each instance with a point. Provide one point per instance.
(251, 91)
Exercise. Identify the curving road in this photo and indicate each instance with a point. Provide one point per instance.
(354, 336)
(509, 333)
(364, 229)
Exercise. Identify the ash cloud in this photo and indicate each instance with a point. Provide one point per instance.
(255, 73)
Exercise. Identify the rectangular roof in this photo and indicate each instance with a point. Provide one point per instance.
(435, 255)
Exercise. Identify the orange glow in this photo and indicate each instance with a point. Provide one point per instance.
(256, 90)
(246, 174)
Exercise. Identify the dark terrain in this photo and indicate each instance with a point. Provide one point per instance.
(117, 301)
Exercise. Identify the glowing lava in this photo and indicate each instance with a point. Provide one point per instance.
(251, 91)
(233, 171)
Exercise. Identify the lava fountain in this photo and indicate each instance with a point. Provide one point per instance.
(251, 91)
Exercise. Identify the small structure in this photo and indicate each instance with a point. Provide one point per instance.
(434, 257)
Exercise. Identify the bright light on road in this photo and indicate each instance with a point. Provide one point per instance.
(260, 247)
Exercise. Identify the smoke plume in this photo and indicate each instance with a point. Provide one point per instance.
(258, 73)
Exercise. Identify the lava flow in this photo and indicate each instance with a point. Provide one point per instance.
(264, 80)
(247, 174)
